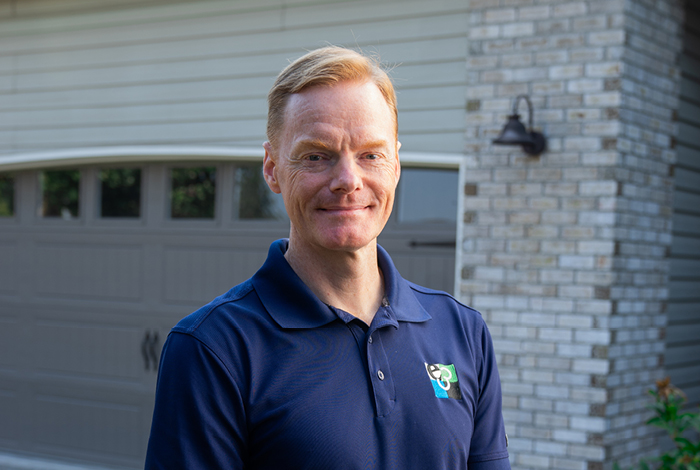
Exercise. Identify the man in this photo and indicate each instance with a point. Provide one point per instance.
(326, 358)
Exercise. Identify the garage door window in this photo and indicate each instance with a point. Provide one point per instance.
(253, 198)
(427, 196)
(193, 193)
(60, 193)
(120, 190)
(7, 196)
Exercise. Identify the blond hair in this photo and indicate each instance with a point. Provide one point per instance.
(325, 67)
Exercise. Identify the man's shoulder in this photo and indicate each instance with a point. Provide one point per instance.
(226, 308)
(432, 300)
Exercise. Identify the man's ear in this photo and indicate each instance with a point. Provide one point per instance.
(270, 168)
(398, 163)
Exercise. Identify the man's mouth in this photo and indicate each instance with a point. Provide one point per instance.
(344, 209)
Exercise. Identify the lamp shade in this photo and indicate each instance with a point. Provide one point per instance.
(514, 133)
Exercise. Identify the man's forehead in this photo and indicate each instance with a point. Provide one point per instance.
(358, 91)
(339, 100)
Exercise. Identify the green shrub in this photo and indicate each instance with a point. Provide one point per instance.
(669, 416)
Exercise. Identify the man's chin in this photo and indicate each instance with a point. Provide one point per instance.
(348, 243)
(339, 238)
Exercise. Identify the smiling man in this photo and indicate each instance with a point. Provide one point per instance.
(326, 358)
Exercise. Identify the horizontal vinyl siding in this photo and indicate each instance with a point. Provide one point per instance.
(198, 72)
(683, 332)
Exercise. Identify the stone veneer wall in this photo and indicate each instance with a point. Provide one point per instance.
(564, 254)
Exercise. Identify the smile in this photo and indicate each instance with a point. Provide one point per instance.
(343, 210)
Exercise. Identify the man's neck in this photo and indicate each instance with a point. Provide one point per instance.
(351, 281)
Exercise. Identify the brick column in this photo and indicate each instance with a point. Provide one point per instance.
(565, 253)
(650, 88)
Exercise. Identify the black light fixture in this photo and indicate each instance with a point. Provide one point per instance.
(514, 132)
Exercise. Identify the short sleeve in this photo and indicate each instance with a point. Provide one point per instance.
(199, 417)
(488, 445)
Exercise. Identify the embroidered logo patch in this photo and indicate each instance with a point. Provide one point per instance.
(444, 380)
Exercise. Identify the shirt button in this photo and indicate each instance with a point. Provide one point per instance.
(370, 340)
(380, 374)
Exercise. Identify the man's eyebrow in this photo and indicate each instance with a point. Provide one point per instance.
(377, 144)
(311, 144)
(318, 144)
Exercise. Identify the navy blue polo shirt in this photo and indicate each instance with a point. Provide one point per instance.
(269, 377)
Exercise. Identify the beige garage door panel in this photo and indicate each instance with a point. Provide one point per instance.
(77, 425)
(90, 351)
(98, 271)
(195, 275)
(8, 268)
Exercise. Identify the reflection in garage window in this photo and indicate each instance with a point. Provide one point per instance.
(254, 200)
(7, 196)
(193, 192)
(121, 192)
(60, 190)
(428, 196)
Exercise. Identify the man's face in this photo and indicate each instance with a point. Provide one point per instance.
(336, 165)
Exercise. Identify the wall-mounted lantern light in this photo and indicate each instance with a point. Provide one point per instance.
(514, 132)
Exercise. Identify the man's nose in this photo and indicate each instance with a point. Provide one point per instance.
(347, 175)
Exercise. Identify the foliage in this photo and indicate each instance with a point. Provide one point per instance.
(7, 196)
(255, 200)
(669, 416)
(193, 192)
(121, 192)
(60, 193)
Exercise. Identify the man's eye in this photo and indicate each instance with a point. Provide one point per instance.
(371, 156)
(314, 158)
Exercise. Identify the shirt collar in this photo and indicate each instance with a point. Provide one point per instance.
(292, 304)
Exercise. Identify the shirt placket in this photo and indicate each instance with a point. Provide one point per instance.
(378, 367)
(370, 344)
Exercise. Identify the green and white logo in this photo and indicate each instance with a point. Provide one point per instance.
(444, 379)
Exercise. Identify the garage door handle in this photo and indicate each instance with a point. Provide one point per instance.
(149, 350)
(153, 350)
(439, 244)
(144, 349)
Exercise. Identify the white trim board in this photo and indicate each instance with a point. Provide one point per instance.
(151, 153)
(136, 153)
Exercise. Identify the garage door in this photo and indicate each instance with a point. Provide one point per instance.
(99, 262)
